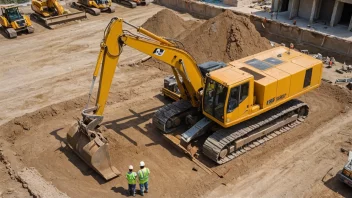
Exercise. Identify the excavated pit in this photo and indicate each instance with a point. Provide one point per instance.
(38, 138)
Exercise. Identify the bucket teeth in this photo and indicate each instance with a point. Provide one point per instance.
(93, 152)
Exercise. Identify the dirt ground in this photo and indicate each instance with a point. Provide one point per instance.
(56, 74)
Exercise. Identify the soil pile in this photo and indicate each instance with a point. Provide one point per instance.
(226, 37)
(21, 125)
(167, 23)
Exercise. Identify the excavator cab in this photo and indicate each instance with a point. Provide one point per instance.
(13, 14)
(228, 99)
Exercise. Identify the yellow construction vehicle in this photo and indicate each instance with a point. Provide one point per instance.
(51, 13)
(12, 21)
(229, 110)
(94, 7)
(132, 3)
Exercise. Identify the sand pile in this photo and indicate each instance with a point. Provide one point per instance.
(168, 24)
(226, 37)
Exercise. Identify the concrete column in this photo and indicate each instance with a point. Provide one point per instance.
(336, 13)
(350, 26)
(294, 8)
(313, 11)
(274, 5)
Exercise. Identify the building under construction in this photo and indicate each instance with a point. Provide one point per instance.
(332, 12)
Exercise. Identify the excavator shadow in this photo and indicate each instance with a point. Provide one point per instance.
(338, 186)
(150, 131)
(135, 120)
(74, 159)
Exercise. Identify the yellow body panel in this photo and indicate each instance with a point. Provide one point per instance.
(41, 7)
(4, 22)
(279, 75)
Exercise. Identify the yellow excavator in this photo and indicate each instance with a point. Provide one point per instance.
(132, 3)
(230, 110)
(13, 22)
(51, 13)
(94, 7)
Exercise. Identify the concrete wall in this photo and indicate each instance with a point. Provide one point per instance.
(230, 2)
(281, 33)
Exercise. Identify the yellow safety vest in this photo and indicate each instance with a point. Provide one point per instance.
(131, 177)
(143, 175)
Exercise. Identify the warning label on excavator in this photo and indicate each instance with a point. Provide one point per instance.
(158, 51)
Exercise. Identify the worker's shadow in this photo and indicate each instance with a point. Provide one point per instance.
(74, 159)
(338, 186)
(120, 190)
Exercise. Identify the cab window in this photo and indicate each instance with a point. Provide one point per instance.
(214, 99)
(237, 95)
(244, 91)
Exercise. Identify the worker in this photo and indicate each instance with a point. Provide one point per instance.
(131, 178)
(143, 177)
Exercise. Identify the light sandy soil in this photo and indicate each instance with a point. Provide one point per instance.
(51, 66)
(60, 68)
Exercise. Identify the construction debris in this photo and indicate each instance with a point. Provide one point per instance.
(343, 80)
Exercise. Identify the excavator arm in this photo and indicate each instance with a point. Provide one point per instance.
(153, 45)
(84, 137)
(55, 4)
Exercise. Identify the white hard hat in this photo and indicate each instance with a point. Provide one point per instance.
(141, 163)
(130, 167)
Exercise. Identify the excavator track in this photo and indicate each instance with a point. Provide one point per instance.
(127, 3)
(90, 10)
(169, 117)
(223, 142)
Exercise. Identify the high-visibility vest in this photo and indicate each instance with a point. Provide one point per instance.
(143, 175)
(131, 177)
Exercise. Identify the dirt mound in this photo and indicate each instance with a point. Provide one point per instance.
(167, 23)
(226, 37)
(21, 125)
(37, 185)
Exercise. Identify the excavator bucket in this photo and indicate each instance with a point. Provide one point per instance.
(93, 151)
